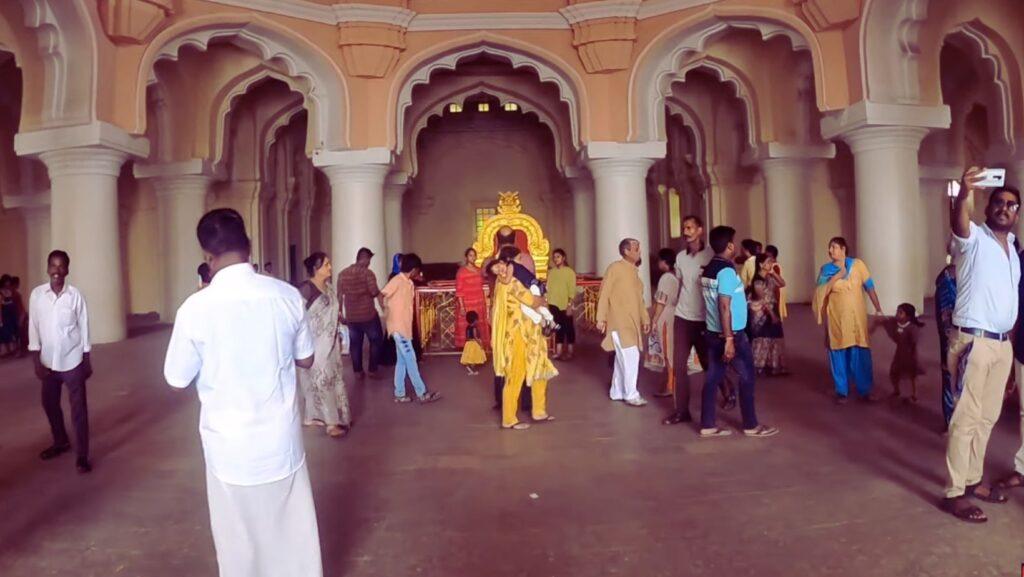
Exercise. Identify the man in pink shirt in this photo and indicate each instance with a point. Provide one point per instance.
(397, 297)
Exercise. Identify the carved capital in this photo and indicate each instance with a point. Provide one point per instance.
(370, 49)
(828, 14)
(134, 21)
(605, 44)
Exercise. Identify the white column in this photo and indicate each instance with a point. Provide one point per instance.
(181, 202)
(84, 223)
(37, 241)
(394, 193)
(888, 206)
(934, 221)
(357, 204)
(620, 193)
(582, 187)
(181, 191)
(789, 182)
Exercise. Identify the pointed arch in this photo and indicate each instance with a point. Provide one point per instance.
(548, 67)
(327, 93)
(527, 104)
(659, 63)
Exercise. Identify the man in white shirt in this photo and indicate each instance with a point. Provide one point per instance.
(980, 353)
(58, 337)
(690, 314)
(240, 340)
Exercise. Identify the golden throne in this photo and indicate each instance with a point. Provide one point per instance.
(510, 215)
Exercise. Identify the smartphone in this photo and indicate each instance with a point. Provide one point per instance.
(953, 188)
(992, 177)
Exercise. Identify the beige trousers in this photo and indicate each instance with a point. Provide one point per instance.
(265, 530)
(983, 365)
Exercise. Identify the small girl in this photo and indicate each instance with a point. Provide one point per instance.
(473, 354)
(764, 340)
(903, 330)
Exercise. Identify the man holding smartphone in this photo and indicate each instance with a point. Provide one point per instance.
(980, 354)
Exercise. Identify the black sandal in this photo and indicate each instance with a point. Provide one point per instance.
(676, 418)
(994, 495)
(1014, 481)
(961, 508)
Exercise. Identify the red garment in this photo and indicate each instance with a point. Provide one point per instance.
(469, 286)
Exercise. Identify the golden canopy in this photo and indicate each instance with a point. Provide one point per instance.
(510, 214)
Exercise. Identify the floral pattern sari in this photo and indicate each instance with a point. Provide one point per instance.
(322, 384)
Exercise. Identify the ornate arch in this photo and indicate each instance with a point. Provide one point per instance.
(526, 104)
(272, 130)
(730, 75)
(890, 49)
(327, 94)
(690, 118)
(989, 46)
(658, 65)
(548, 67)
(67, 45)
(235, 89)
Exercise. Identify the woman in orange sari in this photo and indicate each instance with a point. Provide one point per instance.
(469, 293)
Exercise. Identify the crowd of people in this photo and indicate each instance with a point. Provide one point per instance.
(266, 356)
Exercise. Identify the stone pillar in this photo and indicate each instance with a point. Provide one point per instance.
(582, 186)
(790, 179)
(357, 204)
(620, 193)
(182, 202)
(394, 193)
(888, 210)
(934, 221)
(37, 243)
(84, 223)
(181, 189)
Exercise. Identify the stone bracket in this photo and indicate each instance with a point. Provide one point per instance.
(828, 14)
(371, 37)
(604, 32)
(134, 21)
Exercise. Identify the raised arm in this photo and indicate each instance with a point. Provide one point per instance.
(963, 206)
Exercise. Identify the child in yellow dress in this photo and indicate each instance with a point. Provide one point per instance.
(473, 354)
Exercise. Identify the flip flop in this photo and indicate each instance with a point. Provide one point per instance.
(715, 432)
(516, 427)
(969, 513)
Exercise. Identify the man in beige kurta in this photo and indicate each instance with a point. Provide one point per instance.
(622, 317)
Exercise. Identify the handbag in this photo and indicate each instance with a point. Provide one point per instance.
(343, 338)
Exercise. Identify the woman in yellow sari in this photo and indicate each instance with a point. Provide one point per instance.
(839, 299)
(520, 351)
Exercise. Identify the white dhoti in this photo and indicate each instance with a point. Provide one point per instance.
(265, 530)
(627, 371)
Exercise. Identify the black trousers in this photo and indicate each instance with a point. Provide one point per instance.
(686, 334)
(566, 327)
(75, 382)
(371, 330)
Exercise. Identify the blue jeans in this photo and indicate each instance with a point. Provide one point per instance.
(855, 362)
(743, 364)
(407, 362)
